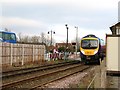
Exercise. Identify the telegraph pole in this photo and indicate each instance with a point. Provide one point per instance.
(51, 32)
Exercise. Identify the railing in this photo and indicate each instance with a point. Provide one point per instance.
(13, 54)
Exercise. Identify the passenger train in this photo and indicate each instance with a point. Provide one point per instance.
(91, 49)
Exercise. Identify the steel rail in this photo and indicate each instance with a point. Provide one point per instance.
(53, 80)
(29, 79)
(34, 69)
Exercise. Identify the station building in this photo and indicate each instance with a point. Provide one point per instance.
(113, 50)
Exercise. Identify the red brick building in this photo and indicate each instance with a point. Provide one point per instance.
(70, 46)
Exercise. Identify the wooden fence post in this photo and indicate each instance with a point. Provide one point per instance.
(1, 64)
(1, 56)
(43, 53)
(23, 54)
(33, 53)
(11, 54)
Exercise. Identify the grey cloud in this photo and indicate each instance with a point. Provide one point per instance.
(61, 14)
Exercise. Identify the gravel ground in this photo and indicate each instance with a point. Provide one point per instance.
(73, 81)
(113, 82)
(66, 82)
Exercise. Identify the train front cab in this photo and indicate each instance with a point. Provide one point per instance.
(90, 53)
(90, 58)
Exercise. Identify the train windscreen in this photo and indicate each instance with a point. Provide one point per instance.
(89, 44)
(7, 37)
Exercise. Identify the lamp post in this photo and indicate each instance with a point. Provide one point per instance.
(66, 42)
(67, 36)
(51, 32)
(76, 39)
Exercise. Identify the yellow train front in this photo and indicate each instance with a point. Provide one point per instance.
(90, 49)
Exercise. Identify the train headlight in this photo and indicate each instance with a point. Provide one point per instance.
(82, 52)
(95, 52)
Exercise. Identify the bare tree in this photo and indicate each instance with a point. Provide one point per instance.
(35, 39)
(23, 38)
(43, 39)
(19, 37)
(47, 40)
(6, 29)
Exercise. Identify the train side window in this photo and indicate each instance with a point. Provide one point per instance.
(12, 37)
(0, 34)
(102, 42)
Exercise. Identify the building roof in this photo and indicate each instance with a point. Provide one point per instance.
(113, 28)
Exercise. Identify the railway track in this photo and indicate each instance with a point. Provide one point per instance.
(41, 77)
(21, 71)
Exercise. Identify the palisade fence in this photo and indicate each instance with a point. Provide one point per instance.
(21, 54)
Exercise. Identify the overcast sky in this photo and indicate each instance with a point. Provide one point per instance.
(31, 17)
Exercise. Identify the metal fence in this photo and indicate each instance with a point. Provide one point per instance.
(21, 54)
